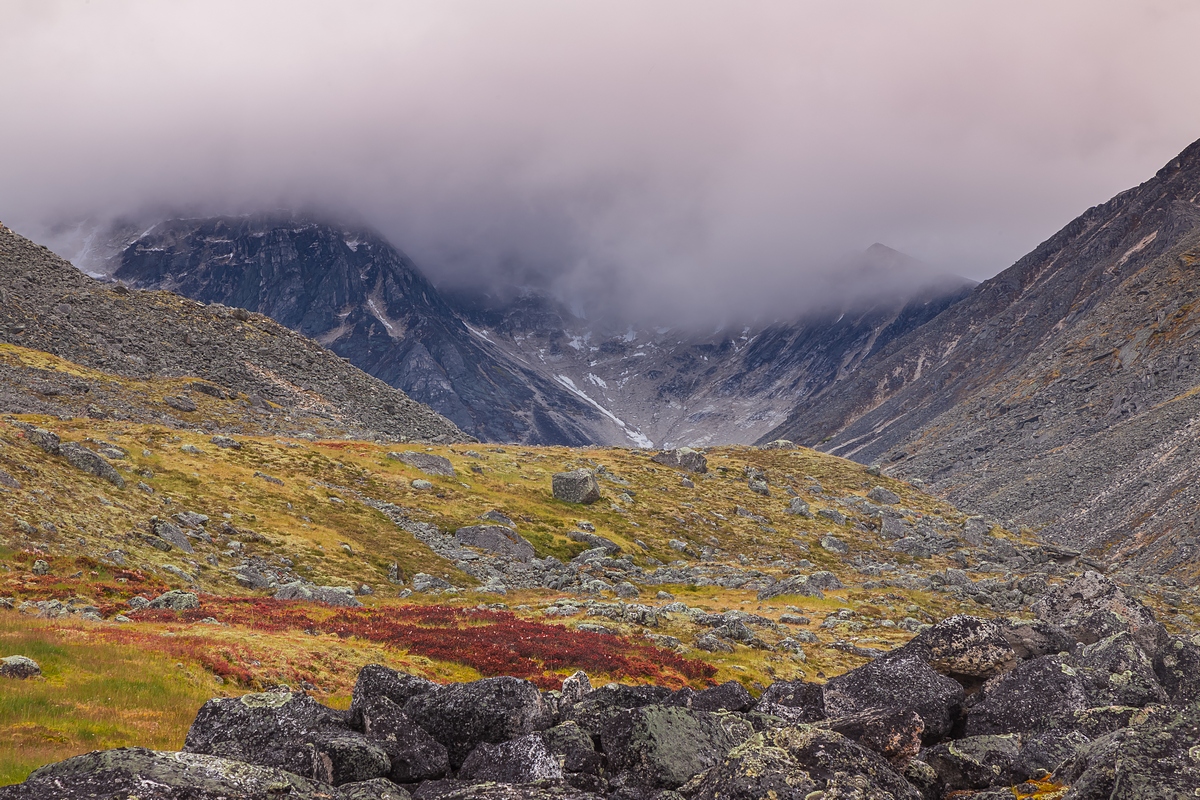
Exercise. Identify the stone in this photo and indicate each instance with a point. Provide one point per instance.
(428, 463)
(893, 733)
(176, 600)
(40, 567)
(596, 707)
(664, 747)
(20, 667)
(421, 582)
(156, 775)
(594, 540)
(498, 517)
(626, 590)
(901, 683)
(180, 403)
(884, 496)
(832, 544)
(1092, 607)
(574, 749)
(963, 645)
(191, 450)
(496, 539)
(342, 596)
(683, 458)
(779, 444)
(413, 754)
(1116, 672)
(575, 487)
(46, 440)
(1034, 697)
(799, 508)
(794, 701)
(374, 789)
(975, 762)
(461, 716)
(8, 481)
(521, 760)
(728, 696)
(92, 463)
(226, 442)
(171, 534)
(376, 680)
(421, 485)
(574, 688)
(759, 486)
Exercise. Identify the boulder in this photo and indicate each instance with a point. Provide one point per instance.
(664, 747)
(155, 775)
(376, 680)
(176, 600)
(729, 696)
(170, 533)
(902, 683)
(794, 701)
(575, 487)
(884, 496)
(894, 734)
(464, 715)
(795, 763)
(413, 754)
(975, 762)
(598, 706)
(288, 731)
(683, 458)
(1092, 607)
(963, 645)
(428, 463)
(496, 539)
(46, 440)
(92, 463)
(342, 596)
(573, 748)
(226, 442)
(1035, 696)
(374, 789)
(521, 760)
(799, 508)
(467, 790)
(1179, 669)
(1116, 672)
(1047, 752)
(20, 667)
(1036, 638)
(180, 403)
(814, 585)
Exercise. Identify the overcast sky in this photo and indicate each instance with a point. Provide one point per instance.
(686, 155)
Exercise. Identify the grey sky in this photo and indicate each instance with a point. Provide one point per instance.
(684, 155)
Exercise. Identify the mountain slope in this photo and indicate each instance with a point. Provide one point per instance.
(48, 305)
(364, 300)
(1063, 392)
(680, 387)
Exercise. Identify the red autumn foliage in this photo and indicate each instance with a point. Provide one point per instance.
(491, 642)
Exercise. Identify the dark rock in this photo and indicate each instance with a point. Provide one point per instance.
(376, 680)
(342, 596)
(1034, 697)
(882, 495)
(92, 463)
(20, 667)
(154, 775)
(576, 487)
(46, 440)
(226, 442)
(171, 534)
(8, 481)
(496, 539)
(799, 508)
(1116, 672)
(682, 458)
(461, 716)
(814, 585)
(901, 683)
(1047, 752)
(593, 540)
(413, 754)
(1178, 668)
(794, 701)
(975, 762)
(522, 760)
(662, 746)
(428, 463)
(894, 734)
(466, 790)
(374, 789)
(963, 645)
(180, 403)
(1036, 638)
(574, 748)
(288, 731)
(176, 600)
(1092, 607)
(729, 696)
(599, 705)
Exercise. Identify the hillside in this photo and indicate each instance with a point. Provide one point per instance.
(1060, 394)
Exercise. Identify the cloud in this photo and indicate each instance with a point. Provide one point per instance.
(677, 158)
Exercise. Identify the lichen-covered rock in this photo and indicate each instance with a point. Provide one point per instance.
(894, 734)
(176, 600)
(1117, 673)
(463, 715)
(665, 746)
(154, 775)
(901, 683)
(376, 680)
(729, 696)
(1092, 607)
(793, 701)
(792, 763)
(573, 748)
(963, 645)
(171, 533)
(599, 705)
(578, 486)
(413, 754)
(1034, 697)
(1036, 638)
(83, 459)
(341, 596)
(1178, 666)
(468, 790)
(20, 667)
(374, 789)
(683, 458)
(521, 760)
(288, 731)
(1047, 752)
(428, 463)
(975, 762)
(496, 539)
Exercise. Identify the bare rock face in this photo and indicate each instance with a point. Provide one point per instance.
(664, 746)
(578, 486)
(496, 539)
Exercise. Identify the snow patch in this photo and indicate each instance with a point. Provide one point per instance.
(379, 315)
(1137, 247)
(480, 334)
(596, 380)
(636, 436)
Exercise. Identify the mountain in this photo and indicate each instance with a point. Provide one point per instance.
(733, 385)
(275, 379)
(1062, 394)
(366, 301)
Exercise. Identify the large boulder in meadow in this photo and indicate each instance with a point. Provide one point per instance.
(155, 775)
(496, 539)
(289, 731)
(341, 596)
(902, 684)
(176, 600)
(464, 715)
(92, 463)
(20, 667)
(428, 463)
(683, 458)
(665, 746)
(578, 486)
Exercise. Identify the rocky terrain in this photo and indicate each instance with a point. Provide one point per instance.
(1060, 394)
(357, 295)
(1088, 698)
(257, 367)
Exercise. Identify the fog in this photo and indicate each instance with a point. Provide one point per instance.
(678, 159)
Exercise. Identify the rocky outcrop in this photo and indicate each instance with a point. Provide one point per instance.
(578, 486)
(1106, 716)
